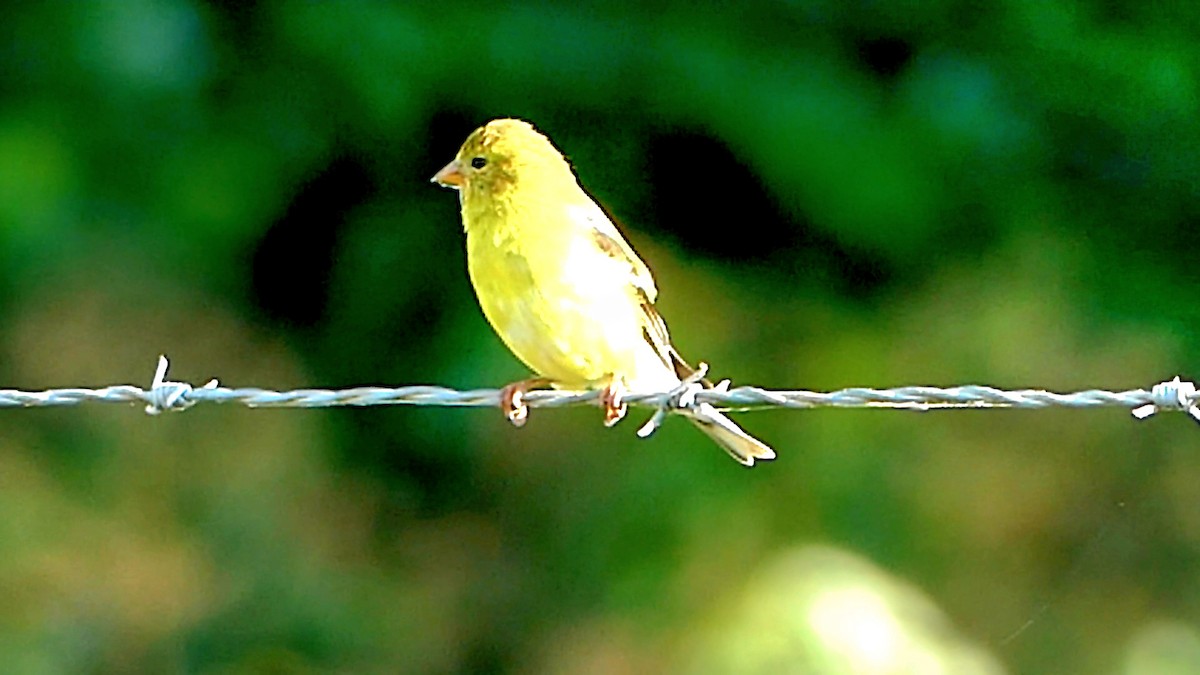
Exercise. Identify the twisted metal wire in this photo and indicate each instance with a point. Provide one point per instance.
(163, 395)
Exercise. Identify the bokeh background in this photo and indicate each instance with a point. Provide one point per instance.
(830, 194)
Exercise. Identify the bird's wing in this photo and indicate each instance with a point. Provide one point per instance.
(609, 240)
(654, 330)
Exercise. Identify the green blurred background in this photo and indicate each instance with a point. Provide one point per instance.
(830, 194)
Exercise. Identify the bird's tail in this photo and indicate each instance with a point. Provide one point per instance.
(740, 445)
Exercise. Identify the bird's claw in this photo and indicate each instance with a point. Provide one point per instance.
(512, 402)
(612, 403)
(512, 406)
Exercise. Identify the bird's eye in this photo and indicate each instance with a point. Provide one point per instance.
(478, 163)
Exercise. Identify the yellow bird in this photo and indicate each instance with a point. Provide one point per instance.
(561, 286)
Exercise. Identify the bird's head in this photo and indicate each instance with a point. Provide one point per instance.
(498, 155)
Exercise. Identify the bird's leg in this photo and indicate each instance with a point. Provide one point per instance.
(611, 401)
(511, 403)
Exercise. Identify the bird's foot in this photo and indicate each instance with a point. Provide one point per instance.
(611, 400)
(512, 396)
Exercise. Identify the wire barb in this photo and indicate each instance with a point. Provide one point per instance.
(164, 395)
(682, 397)
(1173, 394)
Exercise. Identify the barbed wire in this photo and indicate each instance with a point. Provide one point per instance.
(1176, 394)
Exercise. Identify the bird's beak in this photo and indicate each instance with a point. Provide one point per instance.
(450, 176)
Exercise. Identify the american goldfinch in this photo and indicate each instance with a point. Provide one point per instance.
(561, 286)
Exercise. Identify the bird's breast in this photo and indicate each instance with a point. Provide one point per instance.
(561, 304)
